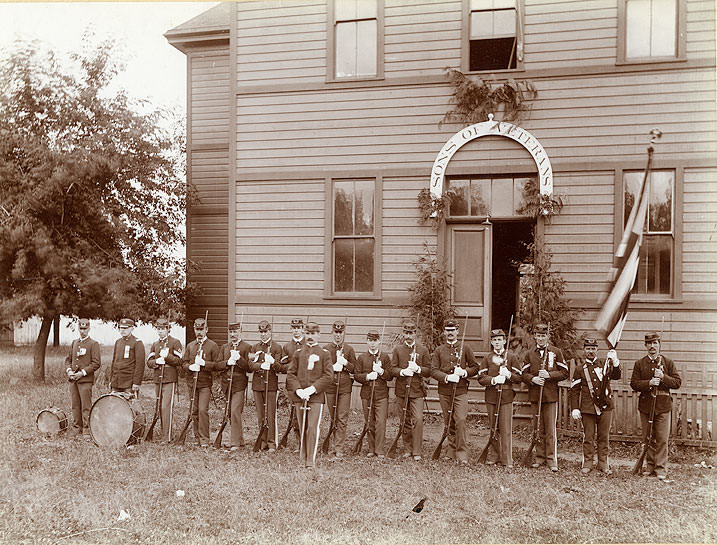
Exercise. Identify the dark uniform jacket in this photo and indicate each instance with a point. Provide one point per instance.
(345, 380)
(239, 378)
(290, 348)
(643, 371)
(84, 355)
(490, 365)
(600, 376)
(445, 358)
(260, 349)
(399, 360)
(364, 365)
(127, 362)
(212, 362)
(555, 365)
(299, 376)
(173, 359)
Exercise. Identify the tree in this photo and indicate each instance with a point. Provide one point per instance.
(92, 194)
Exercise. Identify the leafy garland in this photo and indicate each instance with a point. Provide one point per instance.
(535, 204)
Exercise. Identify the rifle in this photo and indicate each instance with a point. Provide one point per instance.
(182, 436)
(359, 441)
(264, 431)
(493, 438)
(157, 407)
(647, 443)
(225, 418)
(446, 429)
(292, 423)
(402, 427)
(332, 427)
(536, 430)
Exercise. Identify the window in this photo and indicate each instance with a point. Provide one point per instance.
(494, 42)
(356, 38)
(651, 30)
(497, 197)
(354, 236)
(654, 273)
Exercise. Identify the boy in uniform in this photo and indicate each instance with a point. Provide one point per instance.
(165, 353)
(128, 359)
(81, 363)
(235, 355)
(343, 358)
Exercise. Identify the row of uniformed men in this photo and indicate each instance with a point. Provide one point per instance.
(318, 376)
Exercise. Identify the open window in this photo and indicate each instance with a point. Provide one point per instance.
(494, 29)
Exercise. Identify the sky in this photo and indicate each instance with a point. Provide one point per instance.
(155, 69)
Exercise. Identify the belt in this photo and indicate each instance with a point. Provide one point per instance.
(663, 394)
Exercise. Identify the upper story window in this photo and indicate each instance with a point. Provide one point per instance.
(494, 42)
(651, 30)
(496, 197)
(354, 236)
(655, 270)
(356, 38)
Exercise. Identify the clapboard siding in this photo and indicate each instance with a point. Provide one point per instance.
(699, 225)
(280, 219)
(210, 98)
(701, 29)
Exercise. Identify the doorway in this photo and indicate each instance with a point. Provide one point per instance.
(510, 248)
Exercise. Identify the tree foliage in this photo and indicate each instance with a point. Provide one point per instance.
(92, 193)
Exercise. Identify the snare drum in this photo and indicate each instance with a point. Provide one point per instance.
(116, 420)
(51, 420)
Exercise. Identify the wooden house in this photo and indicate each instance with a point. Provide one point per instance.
(314, 124)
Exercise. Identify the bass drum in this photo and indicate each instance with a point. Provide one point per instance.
(51, 421)
(116, 420)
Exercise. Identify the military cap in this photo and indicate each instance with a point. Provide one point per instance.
(450, 324)
(83, 323)
(409, 326)
(497, 333)
(161, 322)
(264, 326)
(649, 337)
(372, 335)
(590, 341)
(339, 326)
(297, 322)
(126, 322)
(200, 323)
(540, 328)
(312, 327)
(236, 326)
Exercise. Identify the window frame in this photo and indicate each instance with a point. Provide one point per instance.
(331, 46)
(329, 288)
(466, 37)
(676, 272)
(680, 38)
(484, 177)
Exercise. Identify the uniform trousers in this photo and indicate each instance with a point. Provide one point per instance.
(81, 393)
(200, 415)
(166, 410)
(596, 425)
(236, 409)
(413, 430)
(505, 434)
(271, 417)
(546, 450)
(309, 422)
(344, 404)
(457, 437)
(656, 457)
(376, 424)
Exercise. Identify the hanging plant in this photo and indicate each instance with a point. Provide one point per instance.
(475, 98)
(433, 210)
(535, 204)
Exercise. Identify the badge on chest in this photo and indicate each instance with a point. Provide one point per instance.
(82, 351)
(126, 351)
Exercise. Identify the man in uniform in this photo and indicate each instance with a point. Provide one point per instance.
(372, 370)
(591, 401)
(296, 342)
(654, 375)
(127, 360)
(498, 371)
(308, 376)
(343, 358)
(235, 355)
(543, 368)
(411, 364)
(165, 353)
(452, 365)
(266, 364)
(81, 363)
(202, 357)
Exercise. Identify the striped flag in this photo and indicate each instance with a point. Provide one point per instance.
(613, 313)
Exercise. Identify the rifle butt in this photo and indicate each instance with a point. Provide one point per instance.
(358, 445)
(150, 430)
(439, 446)
(218, 440)
(484, 454)
(259, 439)
(327, 441)
(529, 454)
(182, 436)
(637, 468)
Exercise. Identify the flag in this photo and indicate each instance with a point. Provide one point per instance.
(613, 313)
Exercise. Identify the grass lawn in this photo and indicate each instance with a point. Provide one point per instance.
(65, 490)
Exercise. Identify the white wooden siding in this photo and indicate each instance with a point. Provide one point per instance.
(699, 225)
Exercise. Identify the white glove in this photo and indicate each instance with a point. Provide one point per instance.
(500, 379)
(612, 355)
(576, 414)
(164, 352)
(460, 371)
(538, 380)
(413, 366)
(68, 371)
(266, 365)
(377, 367)
(504, 372)
(160, 361)
(268, 358)
(199, 360)
(341, 359)
(452, 378)
(373, 375)
(231, 362)
(311, 390)
(254, 356)
(302, 394)
(406, 372)
(194, 367)
(655, 381)
(313, 358)
(338, 366)
(659, 373)
(543, 374)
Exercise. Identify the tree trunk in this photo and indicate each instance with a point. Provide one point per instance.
(56, 331)
(38, 363)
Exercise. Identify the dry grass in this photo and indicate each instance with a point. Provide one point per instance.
(63, 490)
